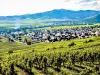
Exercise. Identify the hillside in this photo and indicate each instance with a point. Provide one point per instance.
(93, 19)
(56, 58)
(57, 14)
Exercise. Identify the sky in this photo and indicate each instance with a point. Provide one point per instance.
(19, 7)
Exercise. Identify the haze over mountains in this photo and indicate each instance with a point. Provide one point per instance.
(80, 15)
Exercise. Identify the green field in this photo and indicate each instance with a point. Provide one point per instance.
(39, 22)
(72, 57)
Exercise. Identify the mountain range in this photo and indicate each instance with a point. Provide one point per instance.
(93, 19)
(83, 15)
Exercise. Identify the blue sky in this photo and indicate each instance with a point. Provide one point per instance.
(19, 7)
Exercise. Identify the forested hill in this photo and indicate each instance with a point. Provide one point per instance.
(57, 14)
(94, 19)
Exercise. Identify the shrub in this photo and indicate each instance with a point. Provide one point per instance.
(29, 43)
(87, 41)
(48, 48)
(10, 51)
(71, 44)
(54, 48)
(90, 40)
(33, 50)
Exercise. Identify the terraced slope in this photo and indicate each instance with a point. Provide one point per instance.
(73, 57)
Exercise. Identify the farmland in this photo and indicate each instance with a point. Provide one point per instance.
(50, 38)
(71, 55)
(52, 58)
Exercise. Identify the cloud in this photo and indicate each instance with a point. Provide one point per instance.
(18, 7)
(85, 4)
(84, 1)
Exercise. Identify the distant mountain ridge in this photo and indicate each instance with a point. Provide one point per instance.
(57, 14)
(94, 19)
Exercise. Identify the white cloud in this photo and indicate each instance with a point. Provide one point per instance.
(17, 7)
(85, 4)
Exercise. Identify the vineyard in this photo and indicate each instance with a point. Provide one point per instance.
(72, 57)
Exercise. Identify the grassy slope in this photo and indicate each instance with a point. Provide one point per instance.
(43, 46)
(52, 48)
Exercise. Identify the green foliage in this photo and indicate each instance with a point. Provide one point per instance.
(88, 41)
(71, 44)
(50, 59)
(53, 47)
(10, 51)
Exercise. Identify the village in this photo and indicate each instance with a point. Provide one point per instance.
(34, 36)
